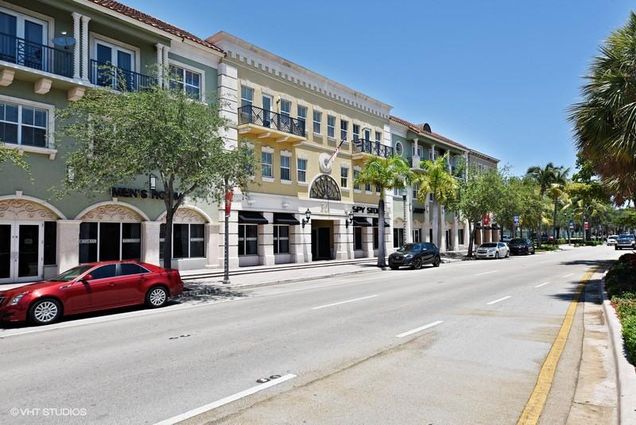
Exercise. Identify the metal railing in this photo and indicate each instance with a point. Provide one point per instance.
(374, 148)
(249, 114)
(107, 75)
(36, 56)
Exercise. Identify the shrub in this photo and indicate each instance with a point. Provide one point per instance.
(629, 335)
(620, 278)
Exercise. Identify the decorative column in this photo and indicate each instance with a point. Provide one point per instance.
(455, 233)
(150, 242)
(442, 230)
(85, 52)
(341, 240)
(76, 46)
(266, 241)
(164, 63)
(159, 60)
(367, 242)
(233, 240)
(228, 88)
(297, 240)
(416, 156)
(67, 244)
(212, 238)
(408, 215)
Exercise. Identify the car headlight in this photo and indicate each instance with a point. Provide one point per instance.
(17, 298)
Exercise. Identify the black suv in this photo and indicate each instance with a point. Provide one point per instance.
(520, 246)
(415, 255)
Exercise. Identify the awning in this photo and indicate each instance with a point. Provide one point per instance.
(375, 223)
(285, 218)
(361, 222)
(252, 217)
(419, 210)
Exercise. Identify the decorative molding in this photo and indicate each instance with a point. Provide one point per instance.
(112, 212)
(24, 209)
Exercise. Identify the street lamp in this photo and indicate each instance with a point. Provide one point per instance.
(349, 219)
(307, 217)
(152, 181)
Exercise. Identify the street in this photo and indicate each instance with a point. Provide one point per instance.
(458, 344)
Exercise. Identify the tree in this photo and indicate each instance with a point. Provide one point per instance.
(384, 173)
(118, 137)
(478, 195)
(558, 193)
(545, 178)
(437, 179)
(521, 198)
(604, 120)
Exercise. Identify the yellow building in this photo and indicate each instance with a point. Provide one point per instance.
(302, 204)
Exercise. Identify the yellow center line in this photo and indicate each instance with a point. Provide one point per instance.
(534, 407)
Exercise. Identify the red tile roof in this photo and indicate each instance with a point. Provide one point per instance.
(418, 129)
(154, 22)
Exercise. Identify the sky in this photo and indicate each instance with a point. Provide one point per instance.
(495, 75)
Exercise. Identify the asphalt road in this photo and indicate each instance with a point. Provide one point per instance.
(459, 344)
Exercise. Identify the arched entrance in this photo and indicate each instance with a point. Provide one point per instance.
(27, 238)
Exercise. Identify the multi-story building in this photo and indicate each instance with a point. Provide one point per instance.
(303, 204)
(414, 219)
(50, 54)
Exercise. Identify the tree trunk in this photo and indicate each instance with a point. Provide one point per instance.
(381, 239)
(554, 218)
(440, 226)
(471, 238)
(167, 241)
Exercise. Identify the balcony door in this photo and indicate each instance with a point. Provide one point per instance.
(267, 110)
(22, 39)
(114, 66)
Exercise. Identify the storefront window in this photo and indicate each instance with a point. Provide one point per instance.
(109, 241)
(188, 240)
(281, 239)
(460, 236)
(50, 243)
(375, 238)
(357, 238)
(248, 235)
(398, 237)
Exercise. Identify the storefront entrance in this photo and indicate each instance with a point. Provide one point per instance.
(21, 252)
(321, 240)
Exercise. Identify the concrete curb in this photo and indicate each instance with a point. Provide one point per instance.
(626, 373)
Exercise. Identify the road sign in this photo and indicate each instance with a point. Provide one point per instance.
(586, 225)
(516, 219)
(571, 224)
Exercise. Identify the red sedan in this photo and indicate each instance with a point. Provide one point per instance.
(90, 287)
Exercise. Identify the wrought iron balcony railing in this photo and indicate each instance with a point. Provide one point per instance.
(374, 148)
(249, 114)
(36, 56)
(107, 75)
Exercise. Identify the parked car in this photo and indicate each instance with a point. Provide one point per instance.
(88, 288)
(415, 255)
(625, 242)
(506, 239)
(612, 239)
(492, 250)
(520, 246)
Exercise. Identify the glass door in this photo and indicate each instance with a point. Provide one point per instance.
(21, 252)
(8, 34)
(267, 110)
(5, 253)
(33, 40)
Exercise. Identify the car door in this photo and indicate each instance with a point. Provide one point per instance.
(428, 252)
(103, 287)
(503, 249)
(131, 282)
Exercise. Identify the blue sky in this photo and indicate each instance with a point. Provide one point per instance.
(497, 75)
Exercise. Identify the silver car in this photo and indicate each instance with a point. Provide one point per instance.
(625, 242)
(492, 250)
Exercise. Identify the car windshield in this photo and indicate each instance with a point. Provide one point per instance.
(71, 273)
(409, 247)
(489, 245)
(627, 237)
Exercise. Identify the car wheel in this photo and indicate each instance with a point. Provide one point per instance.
(417, 264)
(157, 296)
(507, 254)
(437, 261)
(497, 255)
(615, 248)
(45, 311)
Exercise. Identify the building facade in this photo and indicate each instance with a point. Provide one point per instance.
(50, 54)
(310, 136)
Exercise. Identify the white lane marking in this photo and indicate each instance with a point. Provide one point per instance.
(499, 300)
(542, 284)
(491, 271)
(226, 400)
(344, 302)
(568, 275)
(421, 328)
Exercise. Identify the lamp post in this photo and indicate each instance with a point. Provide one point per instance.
(152, 182)
(229, 194)
(349, 219)
(307, 218)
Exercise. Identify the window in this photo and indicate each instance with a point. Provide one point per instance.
(378, 136)
(50, 243)
(104, 272)
(186, 80)
(375, 238)
(266, 164)
(356, 174)
(130, 240)
(356, 132)
(460, 236)
(344, 127)
(108, 55)
(109, 241)
(188, 240)
(417, 235)
(23, 125)
(248, 244)
(367, 187)
(331, 126)
(317, 121)
(415, 189)
(377, 188)
(367, 134)
(285, 107)
(285, 168)
(247, 96)
(357, 237)
(344, 176)
(302, 169)
(302, 116)
(399, 148)
(281, 239)
(398, 237)
(130, 268)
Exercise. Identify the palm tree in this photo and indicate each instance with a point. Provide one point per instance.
(605, 120)
(557, 192)
(544, 177)
(384, 173)
(436, 178)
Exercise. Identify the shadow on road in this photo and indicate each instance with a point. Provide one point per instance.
(602, 264)
(572, 292)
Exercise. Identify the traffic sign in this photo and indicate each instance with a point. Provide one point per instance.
(516, 219)
(571, 224)
(586, 225)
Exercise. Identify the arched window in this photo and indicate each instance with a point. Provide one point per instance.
(325, 187)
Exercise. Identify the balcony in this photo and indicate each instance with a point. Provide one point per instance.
(270, 126)
(107, 75)
(36, 56)
(365, 148)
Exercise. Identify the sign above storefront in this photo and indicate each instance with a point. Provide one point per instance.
(126, 192)
(363, 209)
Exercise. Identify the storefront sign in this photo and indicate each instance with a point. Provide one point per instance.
(362, 209)
(125, 192)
